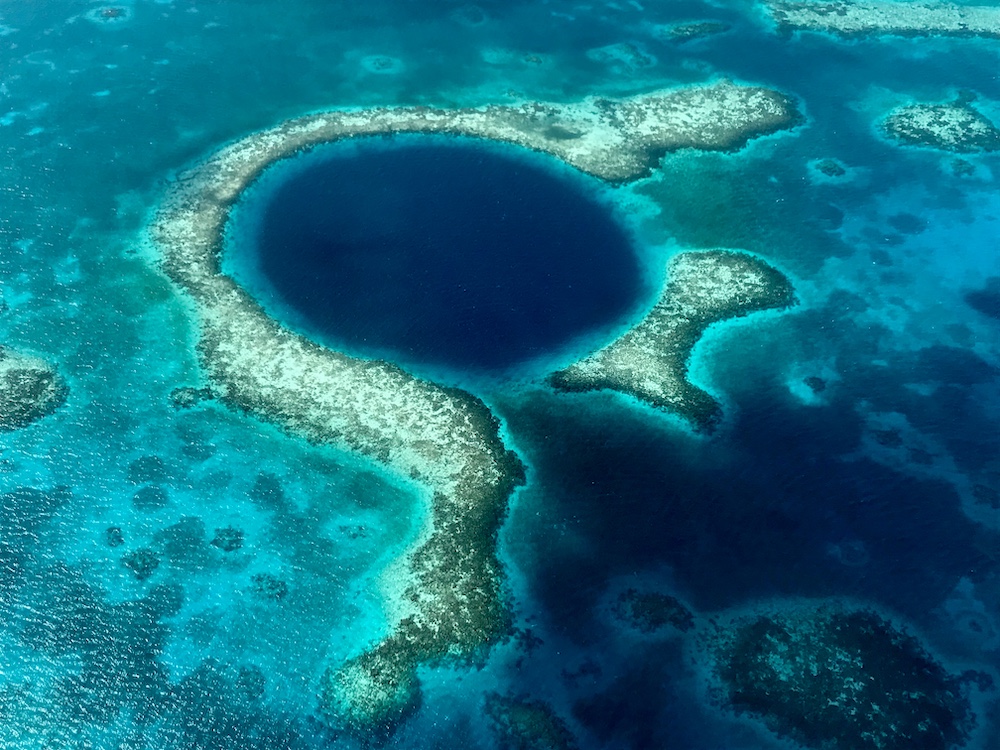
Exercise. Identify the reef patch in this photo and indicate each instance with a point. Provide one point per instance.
(650, 361)
(833, 676)
(955, 126)
(30, 388)
(857, 19)
(444, 597)
(652, 611)
(525, 724)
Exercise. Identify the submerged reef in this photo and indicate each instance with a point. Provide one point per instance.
(691, 30)
(650, 361)
(852, 19)
(522, 724)
(652, 611)
(444, 597)
(954, 126)
(30, 388)
(831, 676)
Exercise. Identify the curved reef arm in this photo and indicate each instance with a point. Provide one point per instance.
(650, 361)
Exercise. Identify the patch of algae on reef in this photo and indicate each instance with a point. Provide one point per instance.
(650, 361)
(834, 677)
(30, 389)
(851, 19)
(444, 596)
(954, 126)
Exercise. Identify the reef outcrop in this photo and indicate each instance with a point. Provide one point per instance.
(30, 388)
(834, 676)
(652, 611)
(525, 724)
(855, 19)
(650, 361)
(444, 596)
(953, 126)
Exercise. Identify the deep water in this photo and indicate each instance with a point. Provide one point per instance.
(178, 575)
(437, 251)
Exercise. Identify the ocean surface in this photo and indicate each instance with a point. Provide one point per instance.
(182, 577)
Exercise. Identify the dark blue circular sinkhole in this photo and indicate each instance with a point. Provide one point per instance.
(436, 251)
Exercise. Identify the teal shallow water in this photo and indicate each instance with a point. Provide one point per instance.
(227, 648)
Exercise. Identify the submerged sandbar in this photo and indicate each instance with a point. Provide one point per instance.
(444, 597)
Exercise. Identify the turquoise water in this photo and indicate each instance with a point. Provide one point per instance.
(874, 487)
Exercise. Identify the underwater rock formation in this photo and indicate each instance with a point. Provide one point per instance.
(521, 724)
(690, 30)
(652, 611)
(955, 126)
(30, 388)
(650, 361)
(443, 597)
(897, 18)
(831, 676)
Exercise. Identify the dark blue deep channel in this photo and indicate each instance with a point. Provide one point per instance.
(436, 251)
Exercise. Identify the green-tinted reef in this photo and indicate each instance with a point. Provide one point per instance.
(650, 362)
(838, 678)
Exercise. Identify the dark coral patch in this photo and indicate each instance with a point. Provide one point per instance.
(840, 679)
(652, 611)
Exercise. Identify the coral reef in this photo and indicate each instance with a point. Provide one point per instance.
(267, 586)
(652, 611)
(523, 724)
(444, 596)
(142, 562)
(691, 30)
(831, 168)
(853, 19)
(954, 126)
(187, 397)
(113, 536)
(650, 361)
(228, 539)
(30, 389)
(109, 15)
(838, 677)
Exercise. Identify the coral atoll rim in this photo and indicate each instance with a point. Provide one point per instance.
(444, 596)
